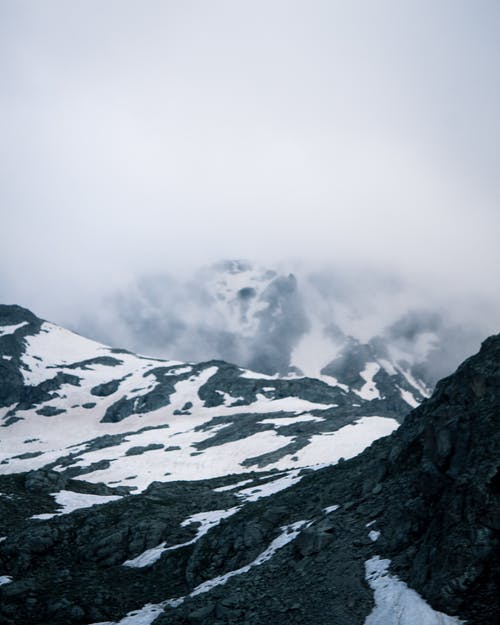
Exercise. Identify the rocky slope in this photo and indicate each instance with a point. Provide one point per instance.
(305, 543)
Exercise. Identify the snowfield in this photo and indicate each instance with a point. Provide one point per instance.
(172, 442)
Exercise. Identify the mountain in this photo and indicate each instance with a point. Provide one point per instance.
(276, 321)
(75, 406)
(258, 518)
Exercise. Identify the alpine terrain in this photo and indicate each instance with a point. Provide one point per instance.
(137, 490)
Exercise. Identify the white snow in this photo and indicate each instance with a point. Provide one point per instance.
(212, 462)
(396, 603)
(412, 381)
(408, 397)
(329, 509)
(4, 330)
(5, 410)
(74, 501)
(209, 519)
(270, 488)
(143, 616)
(2, 538)
(285, 404)
(57, 439)
(54, 347)
(347, 442)
(374, 535)
(254, 375)
(223, 489)
(64, 347)
(150, 556)
(332, 381)
(5, 579)
(369, 390)
(291, 420)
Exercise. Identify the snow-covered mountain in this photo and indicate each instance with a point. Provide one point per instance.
(107, 415)
(277, 321)
(136, 491)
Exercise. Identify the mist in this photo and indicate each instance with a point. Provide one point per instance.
(352, 144)
(277, 322)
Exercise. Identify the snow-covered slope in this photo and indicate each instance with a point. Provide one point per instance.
(106, 415)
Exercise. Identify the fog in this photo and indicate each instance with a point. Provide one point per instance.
(349, 139)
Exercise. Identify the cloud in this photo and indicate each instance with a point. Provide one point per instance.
(159, 137)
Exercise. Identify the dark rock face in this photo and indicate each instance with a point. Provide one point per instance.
(135, 451)
(11, 383)
(12, 346)
(446, 457)
(108, 388)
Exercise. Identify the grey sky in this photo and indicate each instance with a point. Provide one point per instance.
(161, 135)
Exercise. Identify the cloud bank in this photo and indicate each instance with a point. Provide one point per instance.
(144, 138)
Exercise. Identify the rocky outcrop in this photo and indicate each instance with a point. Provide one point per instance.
(444, 533)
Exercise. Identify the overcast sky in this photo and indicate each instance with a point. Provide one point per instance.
(143, 135)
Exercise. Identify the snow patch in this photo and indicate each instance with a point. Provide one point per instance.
(71, 501)
(254, 375)
(291, 420)
(396, 603)
(4, 330)
(412, 381)
(329, 509)
(270, 488)
(347, 442)
(144, 616)
(408, 397)
(369, 390)
(223, 489)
